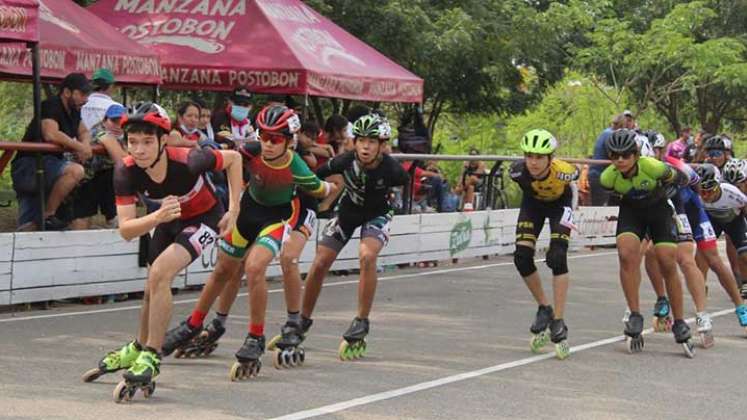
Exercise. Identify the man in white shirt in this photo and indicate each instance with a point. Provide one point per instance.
(100, 100)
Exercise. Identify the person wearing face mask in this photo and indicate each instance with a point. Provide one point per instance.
(61, 125)
(186, 132)
(96, 193)
(232, 124)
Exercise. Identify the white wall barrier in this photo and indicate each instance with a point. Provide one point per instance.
(39, 266)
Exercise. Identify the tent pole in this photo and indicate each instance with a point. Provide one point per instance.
(156, 94)
(36, 74)
(124, 95)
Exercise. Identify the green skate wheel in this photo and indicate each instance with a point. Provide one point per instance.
(344, 351)
(562, 351)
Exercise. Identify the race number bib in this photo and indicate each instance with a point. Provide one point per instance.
(567, 219)
(683, 224)
(202, 238)
(708, 233)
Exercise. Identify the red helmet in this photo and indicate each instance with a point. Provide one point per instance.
(149, 113)
(278, 119)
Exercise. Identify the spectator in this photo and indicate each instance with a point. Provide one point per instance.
(307, 138)
(186, 132)
(334, 135)
(697, 152)
(96, 192)
(630, 122)
(584, 190)
(100, 100)
(679, 148)
(61, 125)
(472, 179)
(204, 123)
(335, 132)
(232, 122)
(599, 195)
(429, 189)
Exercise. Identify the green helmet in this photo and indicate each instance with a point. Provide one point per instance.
(539, 141)
(372, 126)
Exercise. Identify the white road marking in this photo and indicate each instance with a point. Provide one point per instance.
(395, 393)
(338, 283)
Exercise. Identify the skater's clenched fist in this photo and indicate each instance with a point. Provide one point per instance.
(170, 210)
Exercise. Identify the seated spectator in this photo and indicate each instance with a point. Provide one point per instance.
(204, 124)
(186, 132)
(61, 125)
(429, 188)
(96, 192)
(471, 180)
(100, 100)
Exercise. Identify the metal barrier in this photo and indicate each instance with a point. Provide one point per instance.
(496, 173)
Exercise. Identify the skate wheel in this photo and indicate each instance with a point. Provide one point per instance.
(149, 389)
(293, 358)
(256, 368)
(277, 359)
(121, 392)
(178, 354)
(92, 375)
(706, 340)
(301, 356)
(539, 341)
(344, 350)
(635, 345)
(272, 344)
(562, 351)
(237, 372)
(689, 349)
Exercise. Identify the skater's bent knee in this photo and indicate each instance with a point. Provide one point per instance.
(524, 260)
(557, 257)
(288, 261)
(367, 259)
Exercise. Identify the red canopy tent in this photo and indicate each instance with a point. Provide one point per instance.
(270, 46)
(18, 20)
(72, 39)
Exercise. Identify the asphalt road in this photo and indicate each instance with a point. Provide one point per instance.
(445, 343)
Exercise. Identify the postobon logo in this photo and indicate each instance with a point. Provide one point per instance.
(461, 235)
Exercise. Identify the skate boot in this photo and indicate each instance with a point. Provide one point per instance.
(114, 361)
(626, 315)
(633, 330)
(288, 351)
(305, 327)
(141, 375)
(353, 346)
(705, 329)
(540, 336)
(682, 336)
(205, 343)
(179, 337)
(559, 335)
(662, 317)
(248, 361)
(741, 312)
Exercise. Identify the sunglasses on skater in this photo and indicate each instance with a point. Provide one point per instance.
(715, 153)
(616, 156)
(272, 138)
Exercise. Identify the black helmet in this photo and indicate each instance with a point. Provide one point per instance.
(622, 141)
(714, 143)
(710, 177)
(656, 139)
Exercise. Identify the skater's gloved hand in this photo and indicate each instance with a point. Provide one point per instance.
(170, 210)
(227, 222)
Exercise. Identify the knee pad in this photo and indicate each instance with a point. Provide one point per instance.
(557, 257)
(524, 260)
